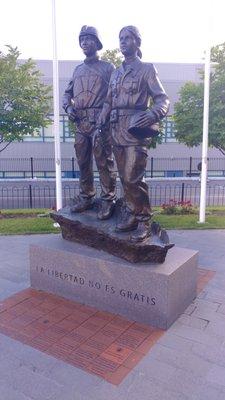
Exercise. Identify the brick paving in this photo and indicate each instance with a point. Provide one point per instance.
(186, 363)
(98, 342)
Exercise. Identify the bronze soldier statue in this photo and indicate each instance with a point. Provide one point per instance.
(83, 100)
(132, 86)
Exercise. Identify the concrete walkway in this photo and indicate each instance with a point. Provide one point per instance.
(188, 362)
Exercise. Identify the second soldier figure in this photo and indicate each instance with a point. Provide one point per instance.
(132, 86)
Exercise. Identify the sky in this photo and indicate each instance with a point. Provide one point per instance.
(172, 30)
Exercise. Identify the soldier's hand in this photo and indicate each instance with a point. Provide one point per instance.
(145, 119)
(71, 113)
(96, 137)
(101, 121)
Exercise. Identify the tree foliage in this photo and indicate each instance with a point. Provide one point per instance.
(112, 56)
(188, 114)
(24, 100)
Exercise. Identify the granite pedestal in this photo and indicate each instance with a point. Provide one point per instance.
(154, 294)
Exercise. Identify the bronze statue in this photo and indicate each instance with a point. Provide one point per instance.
(132, 86)
(83, 100)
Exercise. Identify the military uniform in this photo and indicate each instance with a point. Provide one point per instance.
(86, 92)
(130, 90)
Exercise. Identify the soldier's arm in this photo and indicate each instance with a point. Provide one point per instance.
(68, 95)
(110, 71)
(160, 106)
(106, 109)
(67, 101)
(104, 115)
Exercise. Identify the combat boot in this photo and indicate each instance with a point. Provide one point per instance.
(128, 223)
(142, 232)
(81, 204)
(106, 209)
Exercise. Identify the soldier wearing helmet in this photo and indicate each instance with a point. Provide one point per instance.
(131, 88)
(83, 100)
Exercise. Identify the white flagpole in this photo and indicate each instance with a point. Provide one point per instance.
(205, 136)
(56, 130)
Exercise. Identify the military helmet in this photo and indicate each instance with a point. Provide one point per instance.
(90, 30)
(142, 133)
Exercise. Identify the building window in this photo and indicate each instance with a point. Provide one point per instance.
(67, 135)
(47, 134)
(169, 129)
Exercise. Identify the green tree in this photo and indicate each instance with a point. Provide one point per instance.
(112, 56)
(188, 114)
(24, 100)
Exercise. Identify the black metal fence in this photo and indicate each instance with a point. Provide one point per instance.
(41, 195)
(157, 167)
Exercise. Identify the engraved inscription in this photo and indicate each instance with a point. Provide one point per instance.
(99, 286)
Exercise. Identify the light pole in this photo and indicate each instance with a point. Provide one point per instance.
(205, 136)
(58, 174)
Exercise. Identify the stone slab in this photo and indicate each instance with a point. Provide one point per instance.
(154, 294)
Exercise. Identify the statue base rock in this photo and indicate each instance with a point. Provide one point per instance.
(86, 229)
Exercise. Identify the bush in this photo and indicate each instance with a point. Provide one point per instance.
(177, 207)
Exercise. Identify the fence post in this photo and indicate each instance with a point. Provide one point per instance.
(152, 166)
(73, 168)
(190, 167)
(182, 192)
(32, 167)
(30, 196)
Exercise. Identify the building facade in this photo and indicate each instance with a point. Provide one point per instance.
(41, 146)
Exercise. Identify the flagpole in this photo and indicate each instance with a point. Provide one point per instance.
(56, 129)
(205, 136)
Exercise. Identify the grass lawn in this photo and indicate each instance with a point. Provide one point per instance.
(16, 226)
(34, 211)
(27, 221)
(190, 221)
(215, 219)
